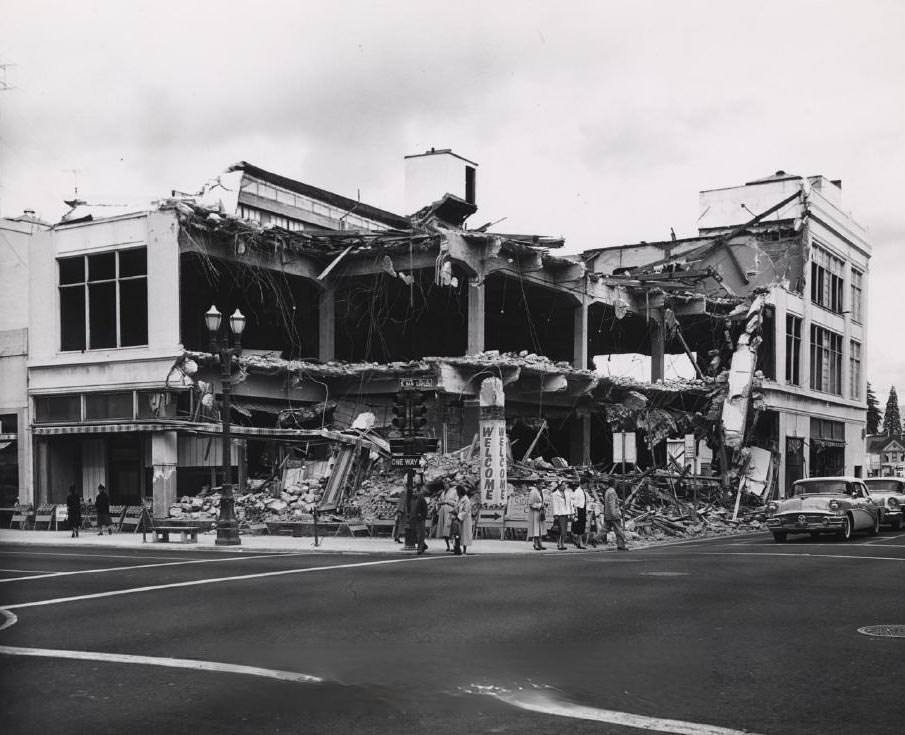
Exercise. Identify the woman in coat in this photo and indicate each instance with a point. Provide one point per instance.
(446, 506)
(74, 509)
(463, 516)
(562, 511)
(536, 523)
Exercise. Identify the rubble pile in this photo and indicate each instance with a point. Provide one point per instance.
(292, 503)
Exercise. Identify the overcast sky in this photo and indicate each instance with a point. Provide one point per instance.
(598, 121)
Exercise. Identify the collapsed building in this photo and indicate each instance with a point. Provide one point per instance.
(342, 300)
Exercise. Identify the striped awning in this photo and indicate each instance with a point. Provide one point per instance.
(210, 429)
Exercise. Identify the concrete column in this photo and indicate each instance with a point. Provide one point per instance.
(164, 459)
(476, 316)
(580, 337)
(580, 441)
(326, 325)
(657, 349)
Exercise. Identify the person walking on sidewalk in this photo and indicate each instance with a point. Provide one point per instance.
(464, 521)
(74, 508)
(579, 499)
(446, 509)
(536, 517)
(419, 519)
(612, 516)
(102, 506)
(562, 512)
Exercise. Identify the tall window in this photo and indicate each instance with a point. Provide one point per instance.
(827, 280)
(857, 294)
(854, 369)
(104, 300)
(826, 360)
(793, 349)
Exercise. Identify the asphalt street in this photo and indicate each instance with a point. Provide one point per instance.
(719, 636)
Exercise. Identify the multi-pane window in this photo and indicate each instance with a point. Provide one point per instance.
(857, 306)
(826, 360)
(854, 369)
(827, 280)
(104, 300)
(793, 349)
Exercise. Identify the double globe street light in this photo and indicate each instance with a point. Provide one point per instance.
(227, 526)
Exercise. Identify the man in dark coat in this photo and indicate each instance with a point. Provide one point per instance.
(102, 506)
(74, 507)
(418, 516)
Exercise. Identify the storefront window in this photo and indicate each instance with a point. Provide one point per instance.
(100, 406)
(49, 409)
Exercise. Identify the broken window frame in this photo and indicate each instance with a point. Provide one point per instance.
(91, 292)
(827, 280)
(854, 369)
(793, 349)
(826, 360)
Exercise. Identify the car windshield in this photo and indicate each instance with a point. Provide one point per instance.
(827, 487)
(887, 485)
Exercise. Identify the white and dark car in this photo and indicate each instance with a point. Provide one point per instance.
(889, 494)
(824, 505)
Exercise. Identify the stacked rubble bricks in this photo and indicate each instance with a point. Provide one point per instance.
(657, 506)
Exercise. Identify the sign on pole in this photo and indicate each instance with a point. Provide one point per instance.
(624, 448)
(493, 442)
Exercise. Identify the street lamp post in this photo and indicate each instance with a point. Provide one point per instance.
(227, 526)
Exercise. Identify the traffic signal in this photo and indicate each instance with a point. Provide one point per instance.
(400, 412)
(419, 410)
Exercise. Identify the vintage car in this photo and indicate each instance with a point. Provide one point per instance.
(889, 494)
(837, 505)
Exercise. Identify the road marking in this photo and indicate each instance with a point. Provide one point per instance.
(196, 582)
(90, 556)
(10, 619)
(806, 554)
(27, 571)
(545, 703)
(133, 566)
(885, 538)
(173, 663)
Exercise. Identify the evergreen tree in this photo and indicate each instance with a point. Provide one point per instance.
(874, 417)
(892, 422)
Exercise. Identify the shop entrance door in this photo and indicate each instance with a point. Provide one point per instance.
(794, 461)
(125, 486)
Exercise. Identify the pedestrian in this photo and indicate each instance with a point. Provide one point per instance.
(612, 516)
(74, 508)
(562, 512)
(418, 517)
(464, 522)
(579, 499)
(536, 517)
(102, 506)
(446, 506)
(595, 517)
(401, 515)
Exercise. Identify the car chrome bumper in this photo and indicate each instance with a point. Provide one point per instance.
(792, 524)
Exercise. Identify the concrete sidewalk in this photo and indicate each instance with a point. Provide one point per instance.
(302, 544)
(327, 544)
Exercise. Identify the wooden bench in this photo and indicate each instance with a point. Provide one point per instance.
(355, 525)
(188, 534)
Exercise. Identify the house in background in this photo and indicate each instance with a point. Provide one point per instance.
(885, 456)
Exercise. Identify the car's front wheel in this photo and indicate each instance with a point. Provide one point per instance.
(779, 536)
(897, 523)
(846, 533)
(875, 529)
